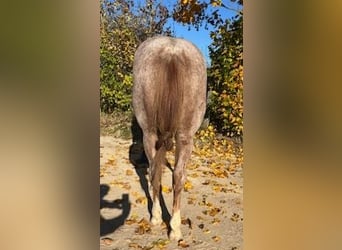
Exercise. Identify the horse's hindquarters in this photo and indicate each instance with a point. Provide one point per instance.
(169, 99)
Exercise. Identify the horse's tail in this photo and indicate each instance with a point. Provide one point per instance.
(170, 76)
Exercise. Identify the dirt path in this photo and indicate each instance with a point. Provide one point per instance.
(212, 210)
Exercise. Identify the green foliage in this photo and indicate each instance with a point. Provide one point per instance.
(226, 78)
(123, 27)
(116, 59)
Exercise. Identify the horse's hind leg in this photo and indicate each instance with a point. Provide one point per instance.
(184, 144)
(150, 140)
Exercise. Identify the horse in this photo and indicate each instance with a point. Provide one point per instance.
(169, 103)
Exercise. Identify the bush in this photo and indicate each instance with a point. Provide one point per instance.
(124, 25)
(226, 79)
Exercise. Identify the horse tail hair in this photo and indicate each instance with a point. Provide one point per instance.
(170, 75)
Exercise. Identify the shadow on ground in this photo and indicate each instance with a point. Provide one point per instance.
(108, 226)
(138, 158)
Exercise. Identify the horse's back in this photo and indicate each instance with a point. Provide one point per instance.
(148, 65)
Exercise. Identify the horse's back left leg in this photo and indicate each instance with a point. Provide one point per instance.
(155, 171)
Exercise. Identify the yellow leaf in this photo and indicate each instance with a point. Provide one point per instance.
(216, 238)
(144, 227)
(187, 186)
(111, 160)
(160, 243)
(129, 172)
(166, 189)
(141, 200)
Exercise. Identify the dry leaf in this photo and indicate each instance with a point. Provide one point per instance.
(107, 241)
(131, 221)
(129, 172)
(216, 238)
(199, 217)
(235, 217)
(141, 200)
(187, 221)
(160, 243)
(111, 160)
(206, 182)
(215, 221)
(183, 244)
(134, 245)
(187, 186)
(166, 189)
(212, 212)
(191, 200)
(144, 227)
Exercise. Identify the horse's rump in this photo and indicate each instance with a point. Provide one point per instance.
(170, 76)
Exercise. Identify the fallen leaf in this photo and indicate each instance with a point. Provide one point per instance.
(131, 221)
(215, 221)
(191, 200)
(187, 221)
(183, 244)
(166, 189)
(193, 175)
(144, 227)
(111, 160)
(212, 212)
(235, 217)
(129, 172)
(141, 200)
(107, 241)
(206, 182)
(216, 238)
(120, 184)
(134, 245)
(161, 243)
(187, 186)
(199, 217)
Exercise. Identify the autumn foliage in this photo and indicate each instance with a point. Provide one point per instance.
(226, 78)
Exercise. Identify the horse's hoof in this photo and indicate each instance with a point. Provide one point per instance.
(156, 221)
(175, 235)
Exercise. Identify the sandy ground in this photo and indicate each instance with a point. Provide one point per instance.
(210, 219)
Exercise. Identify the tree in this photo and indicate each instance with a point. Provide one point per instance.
(124, 25)
(225, 75)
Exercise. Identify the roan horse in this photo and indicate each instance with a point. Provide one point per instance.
(169, 101)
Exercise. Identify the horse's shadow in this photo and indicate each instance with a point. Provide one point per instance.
(138, 158)
(108, 226)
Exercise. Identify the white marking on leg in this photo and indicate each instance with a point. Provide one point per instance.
(175, 223)
(156, 213)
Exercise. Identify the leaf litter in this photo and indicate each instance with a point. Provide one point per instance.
(214, 159)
